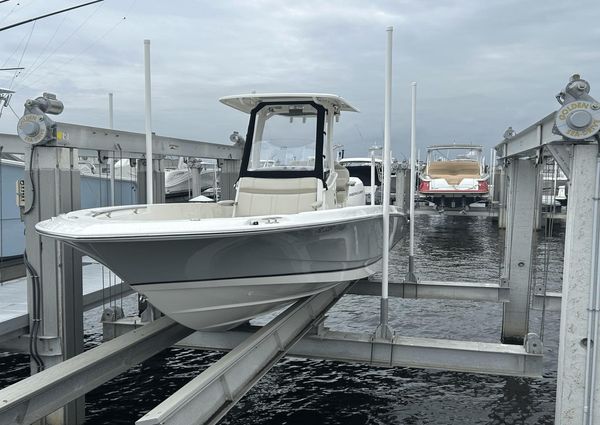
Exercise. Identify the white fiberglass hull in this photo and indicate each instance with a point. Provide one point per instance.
(211, 273)
(222, 304)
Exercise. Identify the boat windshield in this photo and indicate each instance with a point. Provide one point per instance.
(284, 139)
(455, 154)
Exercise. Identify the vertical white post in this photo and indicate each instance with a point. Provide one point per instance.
(373, 186)
(148, 109)
(111, 161)
(386, 162)
(384, 331)
(492, 173)
(413, 148)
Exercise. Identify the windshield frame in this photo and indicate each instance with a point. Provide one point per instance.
(319, 142)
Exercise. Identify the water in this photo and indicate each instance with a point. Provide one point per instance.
(300, 391)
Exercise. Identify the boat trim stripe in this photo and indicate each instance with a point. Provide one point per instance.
(370, 263)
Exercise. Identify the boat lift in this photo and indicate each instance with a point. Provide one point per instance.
(298, 331)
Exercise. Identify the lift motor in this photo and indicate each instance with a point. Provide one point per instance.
(579, 116)
(35, 127)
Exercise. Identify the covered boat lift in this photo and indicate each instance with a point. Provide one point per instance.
(56, 391)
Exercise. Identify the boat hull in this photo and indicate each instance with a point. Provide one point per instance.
(222, 304)
(218, 280)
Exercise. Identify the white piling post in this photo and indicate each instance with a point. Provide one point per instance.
(373, 187)
(413, 152)
(111, 161)
(492, 169)
(148, 109)
(384, 331)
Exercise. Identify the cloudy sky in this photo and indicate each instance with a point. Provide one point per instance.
(480, 65)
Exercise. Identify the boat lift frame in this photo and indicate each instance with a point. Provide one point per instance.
(73, 139)
(523, 356)
(571, 137)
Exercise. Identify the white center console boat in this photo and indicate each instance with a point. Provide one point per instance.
(288, 234)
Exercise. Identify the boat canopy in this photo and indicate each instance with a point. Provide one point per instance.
(247, 102)
(289, 134)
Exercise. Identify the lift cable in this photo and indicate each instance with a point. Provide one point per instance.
(548, 233)
(13, 111)
(47, 15)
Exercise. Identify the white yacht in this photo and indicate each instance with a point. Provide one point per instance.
(454, 177)
(360, 168)
(178, 181)
(288, 234)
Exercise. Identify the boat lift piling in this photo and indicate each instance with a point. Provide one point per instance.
(384, 331)
(523, 178)
(411, 277)
(571, 137)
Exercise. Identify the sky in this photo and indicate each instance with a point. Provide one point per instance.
(480, 65)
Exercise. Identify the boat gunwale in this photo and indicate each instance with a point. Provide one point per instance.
(249, 230)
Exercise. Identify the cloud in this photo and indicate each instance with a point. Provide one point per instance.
(480, 66)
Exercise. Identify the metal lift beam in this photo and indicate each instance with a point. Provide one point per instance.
(432, 289)
(209, 396)
(35, 397)
(401, 351)
(125, 143)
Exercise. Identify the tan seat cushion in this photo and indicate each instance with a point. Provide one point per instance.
(341, 183)
(263, 196)
(453, 171)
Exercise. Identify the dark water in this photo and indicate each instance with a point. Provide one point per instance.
(298, 391)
